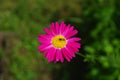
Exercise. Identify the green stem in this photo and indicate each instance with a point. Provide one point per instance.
(81, 55)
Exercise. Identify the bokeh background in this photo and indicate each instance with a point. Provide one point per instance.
(98, 23)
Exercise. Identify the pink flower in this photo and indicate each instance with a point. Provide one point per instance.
(58, 43)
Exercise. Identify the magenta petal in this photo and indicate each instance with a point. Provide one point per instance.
(67, 58)
(65, 55)
(72, 33)
(47, 31)
(44, 47)
(65, 52)
(69, 31)
(52, 53)
(57, 27)
(52, 28)
(48, 56)
(45, 54)
(66, 29)
(42, 40)
(74, 39)
(75, 44)
(72, 48)
(62, 27)
(71, 52)
(57, 56)
(61, 56)
(44, 36)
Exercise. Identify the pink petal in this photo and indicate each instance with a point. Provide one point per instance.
(62, 27)
(72, 47)
(72, 33)
(75, 44)
(65, 55)
(71, 52)
(45, 36)
(69, 31)
(66, 29)
(47, 31)
(45, 54)
(74, 39)
(57, 56)
(52, 28)
(48, 56)
(52, 52)
(42, 40)
(61, 56)
(57, 27)
(44, 47)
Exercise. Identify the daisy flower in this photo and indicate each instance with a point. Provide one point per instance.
(58, 42)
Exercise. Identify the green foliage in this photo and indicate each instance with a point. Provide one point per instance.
(104, 51)
(96, 20)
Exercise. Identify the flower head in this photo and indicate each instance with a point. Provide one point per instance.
(58, 42)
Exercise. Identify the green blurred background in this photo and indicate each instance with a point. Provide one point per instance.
(98, 22)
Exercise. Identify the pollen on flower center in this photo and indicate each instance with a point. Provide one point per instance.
(59, 41)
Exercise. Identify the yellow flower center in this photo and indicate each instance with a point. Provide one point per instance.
(59, 41)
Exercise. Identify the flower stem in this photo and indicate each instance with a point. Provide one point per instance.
(81, 55)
